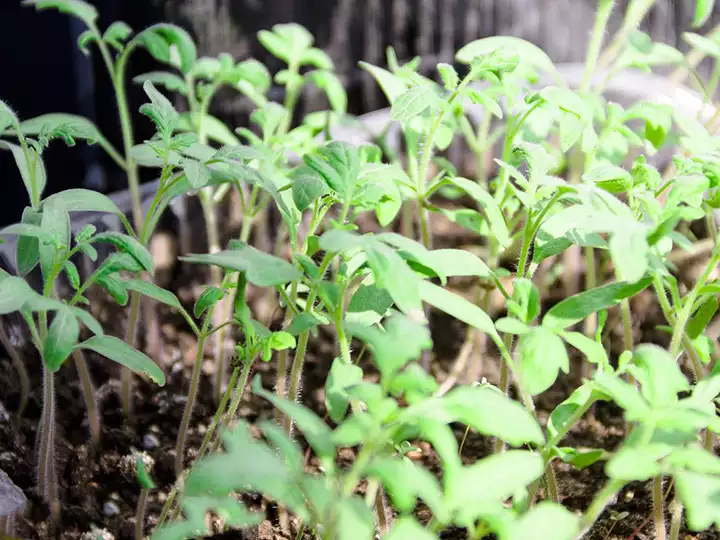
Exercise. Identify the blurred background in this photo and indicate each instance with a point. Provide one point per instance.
(44, 71)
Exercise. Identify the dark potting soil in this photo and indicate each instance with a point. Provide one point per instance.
(98, 487)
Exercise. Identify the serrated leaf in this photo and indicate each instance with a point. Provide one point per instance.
(307, 186)
(170, 81)
(161, 39)
(128, 244)
(610, 178)
(449, 76)
(529, 53)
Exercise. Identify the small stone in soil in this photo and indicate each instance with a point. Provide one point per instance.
(97, 534)
(150, 441)
(110, 509)
(4, 414)
(202, 429)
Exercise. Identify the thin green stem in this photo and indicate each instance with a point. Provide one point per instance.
(634, 15)
(602, 16)
(194, 383)
(237, 398)
(659, 508)
(130, 338)
(140, 514)
(88, 394)
(676, 514)
(552, 488)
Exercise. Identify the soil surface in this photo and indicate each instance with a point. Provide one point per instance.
(98, 488)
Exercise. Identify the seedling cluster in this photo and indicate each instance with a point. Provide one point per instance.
(568, 194)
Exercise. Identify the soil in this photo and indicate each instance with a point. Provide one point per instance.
(98, 489)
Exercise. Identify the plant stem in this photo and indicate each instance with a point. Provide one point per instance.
(296, 376)
(552, 489)
(627, 324)
(192, 394)
(602, 16)
(676, 513)
(140, 514)
(47, 481)
(658, 508)
(598, 505)
(130, 339)
(88, 394)
(20, 368)
(634, 15)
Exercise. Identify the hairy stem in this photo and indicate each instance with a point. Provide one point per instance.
(296, 376)
(602, 16)
(676, 514)
(88, 394)
(658, 508)
(47, 480)
(237, 398)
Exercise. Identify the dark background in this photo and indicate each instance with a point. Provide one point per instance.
(43, 70)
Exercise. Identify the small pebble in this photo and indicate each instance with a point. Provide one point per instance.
(202, 429)
(4, 414)
(110, 509)
(150, 441)
(97, 534)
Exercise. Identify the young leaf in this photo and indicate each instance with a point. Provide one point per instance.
(408, 528)
(414, 101)
(458, 307)
(128, 244)
(262, 269)
(15, 293)
(403, 340)
(118, 351)
(636, 464)
(32, 170)
(317, 433)
(307, 186)
(482, 487)
(339, 165)
(610, 178)
(702, 317)
(529, 53)
(209, 297)
(575, 308)
(659, 375)
(340, 377)
(699, 494)
(546, 520)
(392, 85)
(170, 81)
(172, 38)
(625, 395)
(61, 339)
(117, 33)
(559, 418)
(198, 174)
(28, 247)
(151, 290)
(541, 354)
(629, 252)
(335, 91)
(703, 11)
(83, 200)
(449, 76)
(496, 221)
(82, 10)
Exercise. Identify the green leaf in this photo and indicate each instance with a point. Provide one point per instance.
(159, 110)
(128, 244)
(403, 340)
(700, 494)
(317, 58)
(118, 351)
(83, 200)
(492, 414)
(392, 85)
(115, 287)
(82, 10)
(281, 340)
(636, 464)
(702, 317)
(414, 101)
(458, 307)
(262, 269)
(393, 274)
(703, 11)
(563, 412)
(629, 252)
(151, 290)
(594, 351)
(546, 520)
(61, 339)
(307, 186)
(169, 44)
(208, 298)
(28, 247)
(15, 293)
(31, 168)
(703, 44)
(449, 76)
(355, 519)
(525, 303)
(529, 53)
(70, 125)
(495, 217)
(198, 174)
(541, 355)
(339, 165)
(625, 395)
(406, 482)
(577, 307)
(302, 322)
(170, 81)
(483, 487)
(316, 432)
(215, 129)
(408, 528)
(456, 262)
(568, 101)
(370, 298)
(659, 375)
(117, 33)
(610, 178)
(340, 377)
(335, 91)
